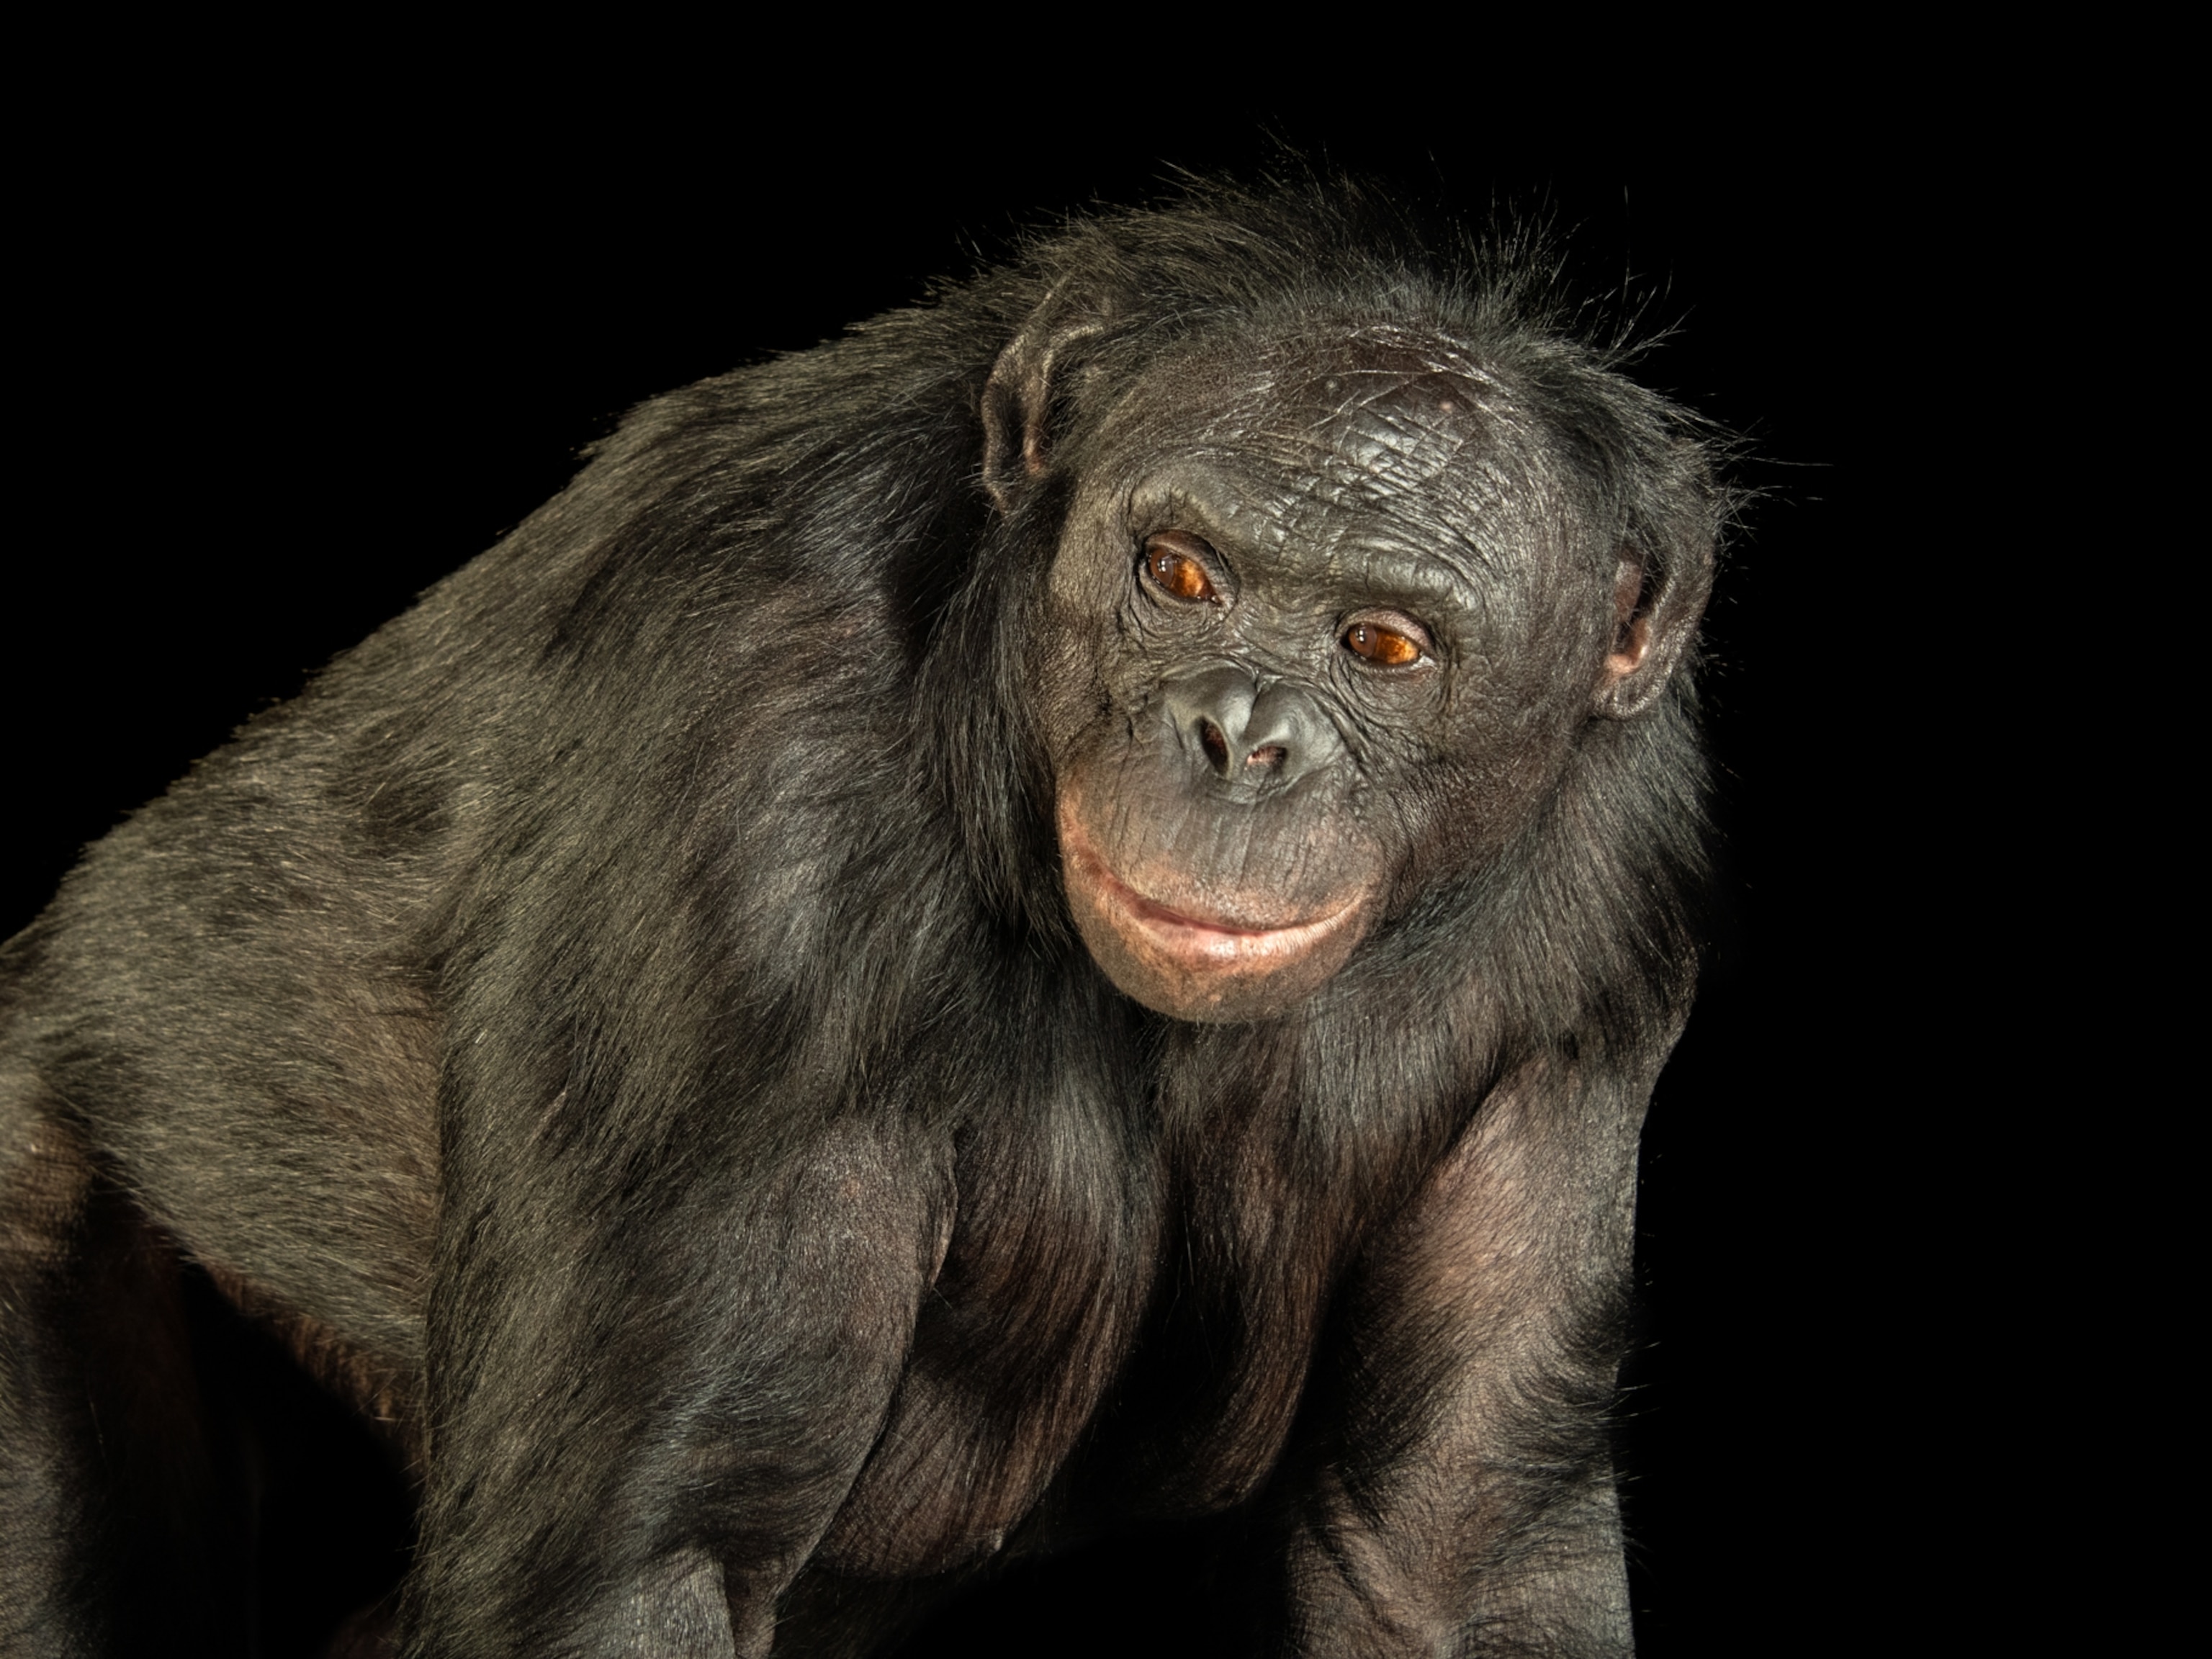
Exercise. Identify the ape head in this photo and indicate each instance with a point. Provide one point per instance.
(1330, 607)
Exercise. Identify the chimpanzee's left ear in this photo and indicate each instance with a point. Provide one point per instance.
(1664, 576)
(1028, 388)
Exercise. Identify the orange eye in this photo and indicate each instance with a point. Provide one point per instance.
(1175, 569)
(1386, 646)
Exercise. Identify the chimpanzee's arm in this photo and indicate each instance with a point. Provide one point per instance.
(658, 1357)
(1468, 1506)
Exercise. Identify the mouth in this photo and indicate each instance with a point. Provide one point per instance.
(1209, 944)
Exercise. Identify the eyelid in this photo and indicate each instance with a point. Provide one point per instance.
(1190, 545)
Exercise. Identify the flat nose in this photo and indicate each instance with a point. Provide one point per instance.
(1247, 734)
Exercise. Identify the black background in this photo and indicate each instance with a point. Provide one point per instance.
(289, 365)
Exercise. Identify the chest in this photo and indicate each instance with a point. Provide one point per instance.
(1125, 1318)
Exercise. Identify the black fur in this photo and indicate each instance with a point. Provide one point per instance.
(622, 1027)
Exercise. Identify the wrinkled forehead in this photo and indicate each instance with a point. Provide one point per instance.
(1407, 435)
(1372, 404)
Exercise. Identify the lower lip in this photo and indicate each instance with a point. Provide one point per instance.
(1214, 944)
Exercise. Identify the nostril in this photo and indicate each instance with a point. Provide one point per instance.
(1270, 758)
(1217, 746)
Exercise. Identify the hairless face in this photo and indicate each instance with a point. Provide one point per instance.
(1309, 593)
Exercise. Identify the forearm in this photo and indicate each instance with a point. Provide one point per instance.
(600, 1470)
(1511, 1561)
(1463, 1502)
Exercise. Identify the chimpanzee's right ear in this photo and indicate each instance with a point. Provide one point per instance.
(1027, 387)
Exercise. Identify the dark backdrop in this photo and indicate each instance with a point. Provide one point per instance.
(284, 373)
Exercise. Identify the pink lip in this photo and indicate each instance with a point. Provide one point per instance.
(1193, 939)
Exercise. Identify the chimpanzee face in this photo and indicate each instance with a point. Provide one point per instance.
(1321, 622)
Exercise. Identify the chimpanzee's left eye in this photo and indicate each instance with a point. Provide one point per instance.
(1386, 647)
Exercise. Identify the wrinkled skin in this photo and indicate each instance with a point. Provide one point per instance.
(1242, 794)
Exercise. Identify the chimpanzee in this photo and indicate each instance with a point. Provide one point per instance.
(1055, 916)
